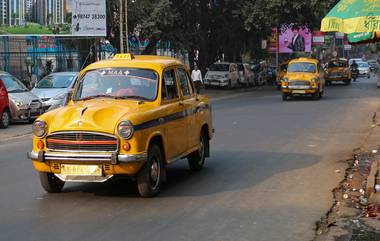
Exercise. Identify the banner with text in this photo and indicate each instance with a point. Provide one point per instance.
(54, 18)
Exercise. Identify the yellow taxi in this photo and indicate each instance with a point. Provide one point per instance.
(281, 73)
(303, 78)
(129, 116)
(338, 70)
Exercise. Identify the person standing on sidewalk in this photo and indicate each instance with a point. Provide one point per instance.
(196, 76)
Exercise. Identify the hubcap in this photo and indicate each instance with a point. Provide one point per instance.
(5, 119)
(155, 173)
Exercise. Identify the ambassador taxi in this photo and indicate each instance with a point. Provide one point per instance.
(130, 116)
(303, 78)
(338, 70)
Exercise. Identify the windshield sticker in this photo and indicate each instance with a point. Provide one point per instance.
(112, 72)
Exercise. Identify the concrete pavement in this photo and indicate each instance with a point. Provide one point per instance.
(272, 168)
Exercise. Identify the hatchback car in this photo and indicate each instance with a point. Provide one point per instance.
(24, 105)
(222, 74)
(129, 116)
(364, 69)
(5, 114)
(54, 89)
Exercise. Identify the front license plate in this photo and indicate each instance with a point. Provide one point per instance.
(298, 92)
(81, 170)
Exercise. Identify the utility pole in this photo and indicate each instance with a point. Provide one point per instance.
(121, 26)
(126, 26)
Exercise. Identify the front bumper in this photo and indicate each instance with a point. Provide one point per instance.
(216, 82)
(87, 157)
(305, 91)
(27, 114)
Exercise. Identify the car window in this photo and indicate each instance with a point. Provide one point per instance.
(131, 83)
(333, 64)
(169, 86)
(13, 85)
(184, 82)
(219, 67)
(302, 67)
(55, 81)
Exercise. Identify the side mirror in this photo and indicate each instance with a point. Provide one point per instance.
(69, 96)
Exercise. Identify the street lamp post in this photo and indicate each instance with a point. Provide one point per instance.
(121, 26)
(126, 26)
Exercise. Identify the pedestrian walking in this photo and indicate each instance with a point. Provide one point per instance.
(378, 73)
(196, 76)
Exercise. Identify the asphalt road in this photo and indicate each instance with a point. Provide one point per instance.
(270, 177)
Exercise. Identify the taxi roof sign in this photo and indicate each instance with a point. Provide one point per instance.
(128, 56)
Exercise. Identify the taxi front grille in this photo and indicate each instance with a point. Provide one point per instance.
(299, 83)
(82, 142)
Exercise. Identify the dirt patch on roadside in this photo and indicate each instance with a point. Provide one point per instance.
(345, 221)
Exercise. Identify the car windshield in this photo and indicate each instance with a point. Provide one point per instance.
(118, 83)
(56, 81)
(220, 67)
(12, 84)
(334, 64)
(362, 65)
(302, 67)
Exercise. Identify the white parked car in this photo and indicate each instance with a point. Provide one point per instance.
(222, 74)
(246, 76)
(54, 89)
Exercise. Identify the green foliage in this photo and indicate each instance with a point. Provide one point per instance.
(214, 28)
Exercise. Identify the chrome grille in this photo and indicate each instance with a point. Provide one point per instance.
(82, 142)
(35, 104)
(299, 83)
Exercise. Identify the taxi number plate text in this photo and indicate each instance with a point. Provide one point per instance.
(298, 92)
(81, 170)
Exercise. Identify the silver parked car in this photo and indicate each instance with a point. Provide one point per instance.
(54, 89)
(24, 106)
(222, 74)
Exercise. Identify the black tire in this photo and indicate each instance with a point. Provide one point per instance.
(150, 177)
(317, 96)
(51, 183)
(348, 82)
(197, 159)
(368, 76)
(5, 119)
(285, 97)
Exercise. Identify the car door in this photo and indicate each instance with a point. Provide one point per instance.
(172, 116)
(189, 101)
(3, 97)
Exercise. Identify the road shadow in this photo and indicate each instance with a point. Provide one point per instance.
(225, 171)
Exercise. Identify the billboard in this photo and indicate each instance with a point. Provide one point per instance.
(53, 17)
(294, 38)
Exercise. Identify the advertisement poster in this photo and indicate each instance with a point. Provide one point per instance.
(53, 17)
(273, 41)
(294, 38)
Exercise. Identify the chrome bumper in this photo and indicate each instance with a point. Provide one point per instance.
(112, 158)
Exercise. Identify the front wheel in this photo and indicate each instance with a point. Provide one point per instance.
(51, 183)
(229, 84)
(197, 159)
(149, 179)
(5, 119)
(285, 97)
(348, 82)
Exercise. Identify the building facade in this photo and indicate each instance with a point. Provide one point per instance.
(12, 12)
(50, 12)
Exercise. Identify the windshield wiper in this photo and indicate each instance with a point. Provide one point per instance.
(98, 96)
(132, 97)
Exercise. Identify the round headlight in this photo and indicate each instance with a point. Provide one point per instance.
(39, 128)
(285, 80)
(125, 129)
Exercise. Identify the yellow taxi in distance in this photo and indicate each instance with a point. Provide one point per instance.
(130, 116)
(303, 78)
(338, 70)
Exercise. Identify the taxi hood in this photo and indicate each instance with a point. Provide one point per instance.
(93, 115)
(301, 76)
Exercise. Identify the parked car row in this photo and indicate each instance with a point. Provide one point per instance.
(19, 104)
(231, 75)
